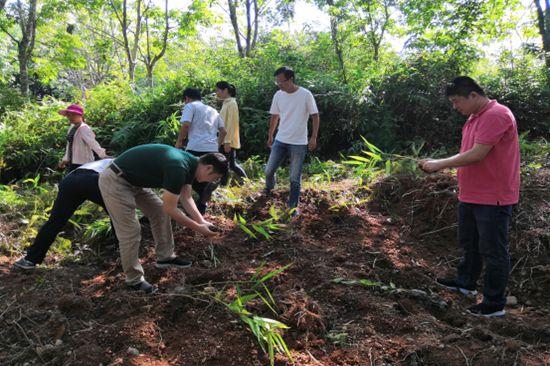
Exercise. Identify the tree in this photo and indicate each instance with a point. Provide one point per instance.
(254, 10)
(543, 21)
(452, 25)
(131, 44)
(373, 19)
(334, 13)
(148, 56)
(251, 35)
(24, 16)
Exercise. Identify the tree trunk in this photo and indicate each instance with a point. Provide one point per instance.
(23, 74)
(232, 4)
(248, 27)
(2, 4)
(130, 50)
(256, 16)
(543, 17)
(336, 41)
(149, 74)
(25, 46)
(149, 60)
(137, 35)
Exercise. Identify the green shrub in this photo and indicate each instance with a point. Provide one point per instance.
(32, 139)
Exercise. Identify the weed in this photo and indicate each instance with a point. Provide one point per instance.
(267, 331)
(98, 229)
(374, 162)
(213, 257)
(264, 228)
(337, 337)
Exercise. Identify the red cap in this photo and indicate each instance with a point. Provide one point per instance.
(73, 108)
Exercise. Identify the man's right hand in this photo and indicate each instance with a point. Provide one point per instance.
(178, 145)
(270, 141)
(62, 164)
(204, 229)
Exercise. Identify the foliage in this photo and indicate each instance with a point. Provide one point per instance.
(373, 162)
(10, 99)
(32, 139)
(265, 228)
(391, 97)
(534, 154)
(98, 229)
(266, 330)
(28, 204)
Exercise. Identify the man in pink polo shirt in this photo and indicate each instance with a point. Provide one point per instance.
(488, 181)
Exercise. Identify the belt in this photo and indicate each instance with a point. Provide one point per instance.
(117, 171)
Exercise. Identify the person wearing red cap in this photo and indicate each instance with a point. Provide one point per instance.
(81, 142)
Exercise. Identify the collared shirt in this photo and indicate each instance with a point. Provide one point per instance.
(230, 115)
(83, 145)
(158, 166)
(205, 122)
(494, 180)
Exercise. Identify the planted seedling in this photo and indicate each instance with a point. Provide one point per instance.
(264, 228)
(268, 331)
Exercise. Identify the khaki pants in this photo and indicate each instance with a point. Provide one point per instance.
(121, 199)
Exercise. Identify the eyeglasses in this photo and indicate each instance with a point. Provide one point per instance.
(280, 82)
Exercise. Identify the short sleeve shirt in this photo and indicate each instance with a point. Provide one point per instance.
(158, 166)
(494, 180)
(205, 123)
(294, 110)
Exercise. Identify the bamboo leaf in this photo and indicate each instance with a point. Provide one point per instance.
(274, 273)
(248, 231)
(262, 231)
(360, 158)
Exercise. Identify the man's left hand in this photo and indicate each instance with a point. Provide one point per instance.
(431, 166)
(312, 145)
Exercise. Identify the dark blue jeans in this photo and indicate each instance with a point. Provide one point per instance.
(77, 187)
(279, 152)
(483, 236)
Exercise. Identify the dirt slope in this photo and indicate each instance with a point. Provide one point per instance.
(403, 237)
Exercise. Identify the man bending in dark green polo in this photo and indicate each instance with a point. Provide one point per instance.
(127, 184)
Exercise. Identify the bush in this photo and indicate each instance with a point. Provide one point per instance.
(10, 98)
(32, 139)
(392, 105)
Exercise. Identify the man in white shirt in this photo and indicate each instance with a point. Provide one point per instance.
(204, 129)
(290, 110)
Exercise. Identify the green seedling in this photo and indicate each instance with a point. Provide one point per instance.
(264, 228)
(374, 161)
(268, 332)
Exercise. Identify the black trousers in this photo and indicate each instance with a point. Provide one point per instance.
(74, 189)
(483, 236)
(203, 189)
(233, 165)
(72, 167)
